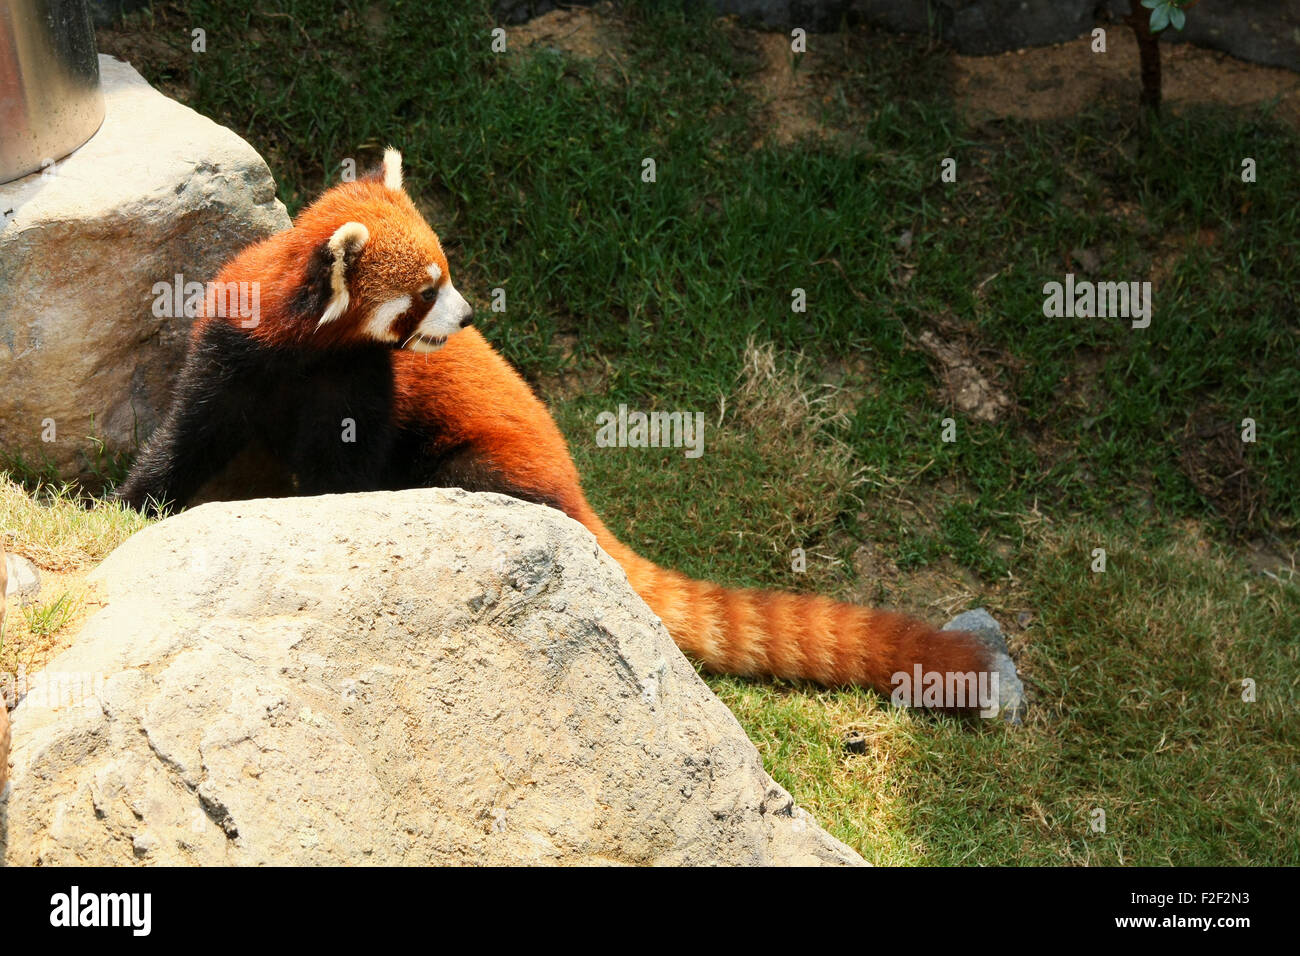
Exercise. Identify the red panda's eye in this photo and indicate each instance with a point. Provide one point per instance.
(428, 294)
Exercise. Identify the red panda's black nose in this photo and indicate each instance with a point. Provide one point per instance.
(467, 320)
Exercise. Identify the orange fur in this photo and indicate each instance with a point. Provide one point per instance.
(393, 260)
(744, 632)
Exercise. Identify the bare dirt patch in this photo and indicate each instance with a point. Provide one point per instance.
(784, 86)
(968, 370)
(969, 390)
(579, 376)
(1062, 80)
(34, 650)
(589, 33)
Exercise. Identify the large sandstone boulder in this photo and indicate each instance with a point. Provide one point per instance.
(4, 705)
(415, 677)
(159, 191)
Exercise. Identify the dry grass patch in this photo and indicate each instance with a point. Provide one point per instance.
(778, 398)
(65, 537)
(60, 532)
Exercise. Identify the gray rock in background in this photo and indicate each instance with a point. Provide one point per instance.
(992, 26)
(811, 15)
(512, 12)
(1261, 31)
(982, 26)
(159, 190)
(420, 677)
(107, 12)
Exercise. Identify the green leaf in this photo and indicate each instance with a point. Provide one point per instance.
(1177, 17)
(1152, 4)
(1159, 19)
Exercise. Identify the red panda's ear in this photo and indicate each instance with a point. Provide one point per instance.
(392, 168)
(389, 172)
(343, 249)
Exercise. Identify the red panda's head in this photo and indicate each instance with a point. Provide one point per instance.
(376, 271)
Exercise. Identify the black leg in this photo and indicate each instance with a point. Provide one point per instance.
(204, 428)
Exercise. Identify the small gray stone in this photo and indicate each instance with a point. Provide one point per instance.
(1011, 692)
(142, 844)
(24, 578)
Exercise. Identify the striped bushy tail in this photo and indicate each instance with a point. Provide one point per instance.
(750, 633)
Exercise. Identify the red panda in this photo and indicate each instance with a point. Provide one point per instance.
(357, 320)
(359, 275)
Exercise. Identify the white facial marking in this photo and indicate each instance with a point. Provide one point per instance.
(434, 272)
(380, 324)
(338, 305)
(443, 320)
(347, 240)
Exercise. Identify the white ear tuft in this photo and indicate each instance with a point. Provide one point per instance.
(348, 239)
(344, 246)
(392, 168)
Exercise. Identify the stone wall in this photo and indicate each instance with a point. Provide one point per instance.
(1261, 31)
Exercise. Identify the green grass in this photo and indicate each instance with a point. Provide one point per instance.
(528, 165)
(1136, 678)
(45, 620)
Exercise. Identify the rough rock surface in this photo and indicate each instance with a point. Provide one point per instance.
(4, 707)
(158, 191)
(4, 748)
(983, 26)
(414, 677)
(24, 578)
(1261, 31)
